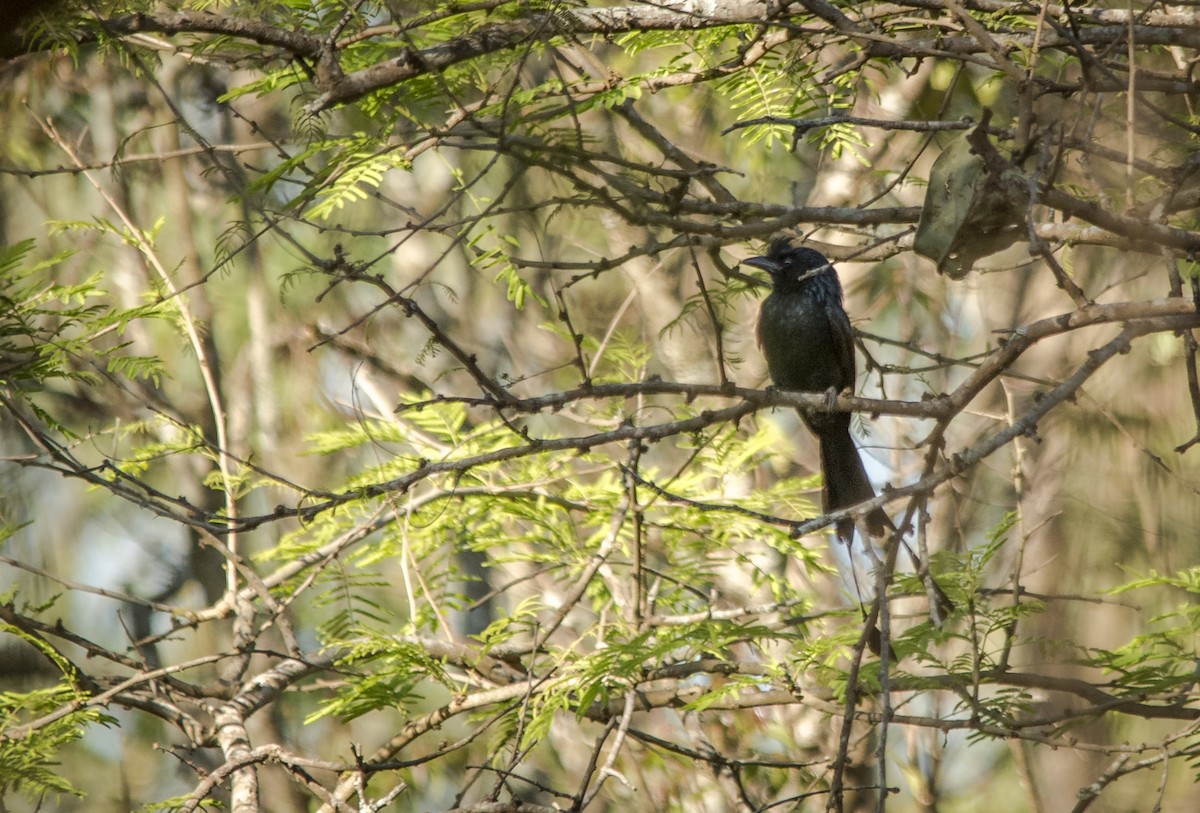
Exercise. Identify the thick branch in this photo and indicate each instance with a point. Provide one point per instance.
(197, 22)
(411, 62)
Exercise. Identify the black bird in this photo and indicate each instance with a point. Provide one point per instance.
(805, 335)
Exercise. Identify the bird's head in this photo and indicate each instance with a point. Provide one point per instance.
(790, 264)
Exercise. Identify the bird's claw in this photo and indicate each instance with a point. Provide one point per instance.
(831, 396)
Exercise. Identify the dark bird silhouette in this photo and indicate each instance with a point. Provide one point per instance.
(805, 335)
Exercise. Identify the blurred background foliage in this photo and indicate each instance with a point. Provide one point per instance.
(368, 390)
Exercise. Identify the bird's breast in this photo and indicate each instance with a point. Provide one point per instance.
(804, 349)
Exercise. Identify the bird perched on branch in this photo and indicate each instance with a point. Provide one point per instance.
(805, 335)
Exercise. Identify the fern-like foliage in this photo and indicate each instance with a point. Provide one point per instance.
(47, 326)
(29, 764)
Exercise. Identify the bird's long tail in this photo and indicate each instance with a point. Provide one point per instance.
(846, 481)
(847, 484)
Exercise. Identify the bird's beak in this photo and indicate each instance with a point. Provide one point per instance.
(765, 263)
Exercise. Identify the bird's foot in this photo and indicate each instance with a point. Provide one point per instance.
(831, 396)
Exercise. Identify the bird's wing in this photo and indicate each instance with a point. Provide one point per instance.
(843, 339)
